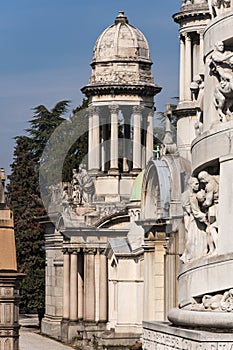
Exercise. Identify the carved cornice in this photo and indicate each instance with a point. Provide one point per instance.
(192, 10)
(185, 112)
(121, 89)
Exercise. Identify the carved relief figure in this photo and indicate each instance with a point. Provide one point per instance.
(221, 64)
(223, 97)
(195, 222)
(218, 302)
(200, 206)
(211, 187)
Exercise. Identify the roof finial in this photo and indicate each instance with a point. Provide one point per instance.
(121, 18)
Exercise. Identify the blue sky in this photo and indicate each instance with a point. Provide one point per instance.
(46, 48)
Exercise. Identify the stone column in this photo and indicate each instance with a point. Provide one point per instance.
(182, 68)
(188, 67)
(66, 284)
(89, 284)
(74, 285)
(114, 138)
(195, 55)
(137, 110)
(104, 146)
(103, 288)
(201, 54)
(80, 286)
(149, 137)
(96, 140)
(90, 138)
(143, 140)
(127, 141)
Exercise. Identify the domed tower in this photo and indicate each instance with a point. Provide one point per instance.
(193, 18)
(121, 94)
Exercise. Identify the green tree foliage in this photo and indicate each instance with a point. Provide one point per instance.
(44, 122)
(26, 205)
(78, 151)
(24, 197)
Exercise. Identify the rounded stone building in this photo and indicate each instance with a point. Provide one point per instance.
(121, 94)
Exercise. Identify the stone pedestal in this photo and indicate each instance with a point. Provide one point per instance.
(161, 335)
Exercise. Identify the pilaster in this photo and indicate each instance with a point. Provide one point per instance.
(89, 284)
(66, 284)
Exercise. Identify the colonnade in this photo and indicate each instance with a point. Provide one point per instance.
(85, 285)
(139, 131)
(191, 61)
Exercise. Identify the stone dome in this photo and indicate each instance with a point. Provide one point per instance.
(121, 41)
(121, 62)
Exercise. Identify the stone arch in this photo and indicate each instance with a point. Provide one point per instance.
(156, 191)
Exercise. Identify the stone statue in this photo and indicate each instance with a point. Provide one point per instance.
(83, 188)
(66, 200)
(221, 64)
(195, 222)
(211, 187)
(197, 88)
(217, 7)
(221, 60)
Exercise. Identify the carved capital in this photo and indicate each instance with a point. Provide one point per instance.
(90, 251)
(74, 251)
(93, 110)
(187, 36)
(137, 109)
(113, 109)
(101, 251)
(65, 251)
